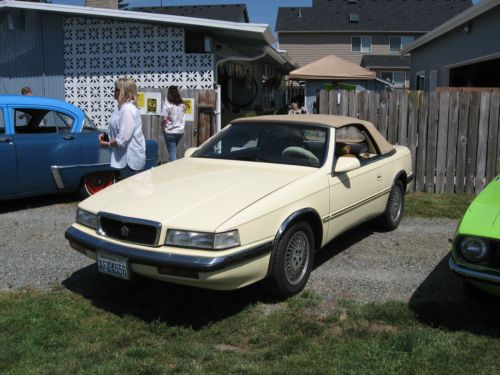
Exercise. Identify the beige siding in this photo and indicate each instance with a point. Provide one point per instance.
(308, 47)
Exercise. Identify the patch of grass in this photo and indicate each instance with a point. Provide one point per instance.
(59, 332)
(451, 206)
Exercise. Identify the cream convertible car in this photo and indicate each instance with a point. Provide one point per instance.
(254, 202)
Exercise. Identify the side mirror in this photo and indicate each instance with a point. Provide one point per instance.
(346, 164)
(190, 151)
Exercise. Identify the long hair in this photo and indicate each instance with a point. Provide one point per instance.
(173, 96)
(127, 89)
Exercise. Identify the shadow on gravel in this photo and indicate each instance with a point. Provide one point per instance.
(343, 242)
(152, 300)
(441, 302)
(34, 202)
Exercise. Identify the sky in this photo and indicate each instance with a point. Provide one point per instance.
(259, 11)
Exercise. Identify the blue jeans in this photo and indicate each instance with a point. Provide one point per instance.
(171, 141)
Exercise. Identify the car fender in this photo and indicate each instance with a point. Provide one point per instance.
(293, 218)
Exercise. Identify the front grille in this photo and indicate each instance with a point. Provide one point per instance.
(128, 229)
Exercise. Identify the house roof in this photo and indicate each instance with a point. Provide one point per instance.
(257, 34)
(478, 9)
(385, 61)
(374, 15)
(224, 12)
(332, 67)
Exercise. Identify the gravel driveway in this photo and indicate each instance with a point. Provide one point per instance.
(361, 265)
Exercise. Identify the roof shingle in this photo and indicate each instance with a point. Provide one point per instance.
(374, 15)
(224, 12)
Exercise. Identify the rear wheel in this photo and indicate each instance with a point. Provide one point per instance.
(393, 213)
(95, 182)
(292, 261)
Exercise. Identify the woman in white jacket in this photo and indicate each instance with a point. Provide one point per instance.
(126, 140)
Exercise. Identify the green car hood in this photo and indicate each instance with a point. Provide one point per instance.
(483, 215)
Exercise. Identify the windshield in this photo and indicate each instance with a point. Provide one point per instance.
(270, 143)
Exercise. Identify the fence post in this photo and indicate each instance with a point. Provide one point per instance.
(403, 118)
(442, 140)
(471, 157)
(452, 143)
(482, 141)
(493, 141)
(323, 102)
(423, 114)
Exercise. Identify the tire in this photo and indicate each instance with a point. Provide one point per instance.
(95, 182)
(292, 261)
(393, 213)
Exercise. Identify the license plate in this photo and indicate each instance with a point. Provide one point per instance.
(113, 265)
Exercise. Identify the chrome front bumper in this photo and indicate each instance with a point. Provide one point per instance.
(177, 261)
(466, 272)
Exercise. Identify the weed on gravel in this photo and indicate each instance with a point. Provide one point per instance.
(61, 332)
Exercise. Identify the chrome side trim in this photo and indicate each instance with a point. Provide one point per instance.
(57, 177)
(78, 165)
(133, 220)
(155, 258)
(356, 205)
(472, 274)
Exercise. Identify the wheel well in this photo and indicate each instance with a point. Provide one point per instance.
(401, 176)
(309, 216)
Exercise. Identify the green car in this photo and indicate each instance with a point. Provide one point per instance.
(476, 245)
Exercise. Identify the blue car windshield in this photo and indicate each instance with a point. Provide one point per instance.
(280, 143)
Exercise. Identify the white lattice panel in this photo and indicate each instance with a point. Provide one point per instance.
(97, 52)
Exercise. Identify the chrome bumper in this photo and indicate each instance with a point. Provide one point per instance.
(473, 274)
(180, 262)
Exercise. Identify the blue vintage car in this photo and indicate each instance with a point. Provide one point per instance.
(49, 146)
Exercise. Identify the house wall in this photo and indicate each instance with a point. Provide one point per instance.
(78, 59)
(305, 48)
(31, 53)
(457, 48)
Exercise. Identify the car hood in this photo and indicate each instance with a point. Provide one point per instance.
(194, 193)
(483, 215)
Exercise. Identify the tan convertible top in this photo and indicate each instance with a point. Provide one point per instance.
(324, 120)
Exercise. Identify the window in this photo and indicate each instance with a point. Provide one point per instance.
(269, 143)
(353, 17)
(35, 120)
(354, 141)
(398, 79)
(2, 123)
(398, 43)
(361, 44)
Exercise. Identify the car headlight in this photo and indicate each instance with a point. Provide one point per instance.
(199, 240)
(86, 218)
(474, 249)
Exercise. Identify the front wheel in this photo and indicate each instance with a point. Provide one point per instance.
(292, 261)
(95, 182)
(393, 213)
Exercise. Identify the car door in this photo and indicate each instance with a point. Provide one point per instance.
(43, 138)
(7, 156)
(356, 195)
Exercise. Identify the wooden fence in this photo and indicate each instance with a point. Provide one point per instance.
(195, 132)
(453, 134)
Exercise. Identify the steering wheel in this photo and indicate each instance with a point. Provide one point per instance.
(295, 152)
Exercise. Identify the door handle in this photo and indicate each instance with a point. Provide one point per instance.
(68, 137)
(5, 139)
(379, 176)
